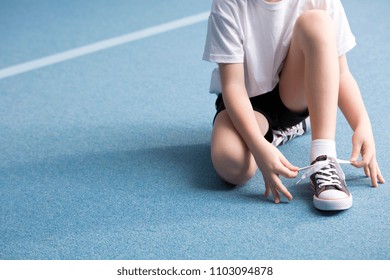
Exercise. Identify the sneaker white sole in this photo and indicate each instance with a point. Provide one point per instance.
(332, 204)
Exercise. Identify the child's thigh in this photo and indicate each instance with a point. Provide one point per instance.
(291, 84)
(313, 37)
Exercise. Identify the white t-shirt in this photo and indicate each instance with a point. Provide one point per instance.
(258, 34)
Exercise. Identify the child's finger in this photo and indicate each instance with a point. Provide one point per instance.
(367, 171)
(373, 175)
(275, 194)
(355, 153)
(281, 188)
(368, 155)
(287, 164)
(287, 173)
(267, 190)
(381, 179)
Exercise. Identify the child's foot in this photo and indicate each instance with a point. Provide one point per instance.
(283, 135)
(330, 190)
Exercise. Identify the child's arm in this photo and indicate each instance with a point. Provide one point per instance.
(352, 106)
(268, 158)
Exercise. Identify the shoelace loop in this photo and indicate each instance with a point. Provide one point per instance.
(329, 172)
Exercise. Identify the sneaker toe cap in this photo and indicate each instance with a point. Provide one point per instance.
(332, 194)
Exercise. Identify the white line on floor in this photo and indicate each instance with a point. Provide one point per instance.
(102, 45)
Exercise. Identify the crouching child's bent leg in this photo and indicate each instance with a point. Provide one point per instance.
(310, 80)
(231, 157)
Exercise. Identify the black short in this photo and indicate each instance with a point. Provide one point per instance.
(272, 107)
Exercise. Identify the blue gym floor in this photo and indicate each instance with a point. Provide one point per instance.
(106, 156)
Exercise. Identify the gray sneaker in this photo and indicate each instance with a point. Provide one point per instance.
(283, 135)
(328, 183)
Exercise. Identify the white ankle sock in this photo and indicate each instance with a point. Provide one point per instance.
(321, 147)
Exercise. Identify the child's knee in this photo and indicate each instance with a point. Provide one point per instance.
(314, 19)
(315, 26)
(236, 177)
(235, 168)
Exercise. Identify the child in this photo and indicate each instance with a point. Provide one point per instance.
(278, 61)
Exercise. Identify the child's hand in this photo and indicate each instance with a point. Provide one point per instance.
(272, 163)
(363, 143)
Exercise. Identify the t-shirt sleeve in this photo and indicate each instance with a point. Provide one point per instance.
(345, 38)
(224, 39)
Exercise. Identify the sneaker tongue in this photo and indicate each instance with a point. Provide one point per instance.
(330, 166)
(320, 158)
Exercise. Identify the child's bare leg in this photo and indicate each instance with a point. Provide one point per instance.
(231, 157)
(310, 77)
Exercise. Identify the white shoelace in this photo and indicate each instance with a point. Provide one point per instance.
(329, 168)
